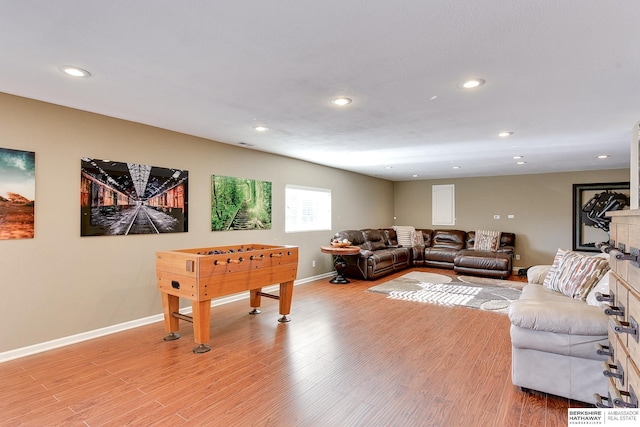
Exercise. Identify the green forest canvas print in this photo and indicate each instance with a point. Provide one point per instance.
(240, 204)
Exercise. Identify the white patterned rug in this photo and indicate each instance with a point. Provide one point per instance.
(441, 290)
(488, 281)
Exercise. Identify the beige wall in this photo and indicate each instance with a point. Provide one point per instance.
(542, 205)
(59, 284)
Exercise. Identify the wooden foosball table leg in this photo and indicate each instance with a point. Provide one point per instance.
(201, 324)
(170, 305)
(286, 293)
(255, 300)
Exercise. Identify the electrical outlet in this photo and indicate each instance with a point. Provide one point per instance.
(313, 263)
(517, 257)
(496, 217)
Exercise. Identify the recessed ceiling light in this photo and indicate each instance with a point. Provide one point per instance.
(470, 84)
(505, 134)
(455, 167)
(517, 157)
(433, 98)
(414, 175)
(388, 167)
(74, 71)
(261, 128)
(521, 163)
(603, 156)
(341, 101)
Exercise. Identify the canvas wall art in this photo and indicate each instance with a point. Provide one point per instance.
(17, 194)
(119, 198)
(240, 204)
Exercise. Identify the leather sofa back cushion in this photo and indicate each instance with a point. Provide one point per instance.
(375, 239)
(356, 237)
(392, 237)
(450, 239)
(507, 239)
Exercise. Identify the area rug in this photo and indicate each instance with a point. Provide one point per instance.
(443, 291)
(488, 281)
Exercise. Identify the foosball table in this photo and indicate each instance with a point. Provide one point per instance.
(201, 274)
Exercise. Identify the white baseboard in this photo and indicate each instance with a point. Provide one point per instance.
(96, 333)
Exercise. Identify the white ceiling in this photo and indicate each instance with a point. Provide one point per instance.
(562, 75)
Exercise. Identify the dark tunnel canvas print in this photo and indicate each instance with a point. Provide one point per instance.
(128, 198)
(17, 194)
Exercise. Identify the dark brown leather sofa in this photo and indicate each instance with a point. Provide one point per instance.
(381, 254)
(377, 257)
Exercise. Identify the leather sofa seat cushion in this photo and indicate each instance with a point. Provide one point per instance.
(582, 346)
(542, 309)
(381, 259)
(401, 255)
(440, 254)
(482, 260)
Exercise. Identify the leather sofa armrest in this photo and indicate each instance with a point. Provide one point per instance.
(571, 317)
(537, 273)
(366, 253)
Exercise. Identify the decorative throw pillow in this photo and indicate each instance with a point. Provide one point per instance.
(404, 234)
(418, 238)
(577, 274)
(553, 271)
(487, 240)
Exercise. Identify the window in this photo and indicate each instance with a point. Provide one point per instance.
(307, 209)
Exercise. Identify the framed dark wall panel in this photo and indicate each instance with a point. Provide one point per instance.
(590, 203)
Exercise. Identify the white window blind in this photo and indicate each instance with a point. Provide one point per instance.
(307, 209)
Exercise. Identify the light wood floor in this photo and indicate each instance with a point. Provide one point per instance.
(347, 358)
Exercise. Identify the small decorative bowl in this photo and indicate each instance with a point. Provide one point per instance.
(341, 244)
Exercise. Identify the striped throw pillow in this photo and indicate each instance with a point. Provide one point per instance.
(487, 240)
(577, 274)
(553, 271)
(405, 235)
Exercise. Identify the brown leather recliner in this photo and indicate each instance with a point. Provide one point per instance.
(496, 264)
(444, 247)
(376, 258)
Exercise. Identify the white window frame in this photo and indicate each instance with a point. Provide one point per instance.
(307, 209)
